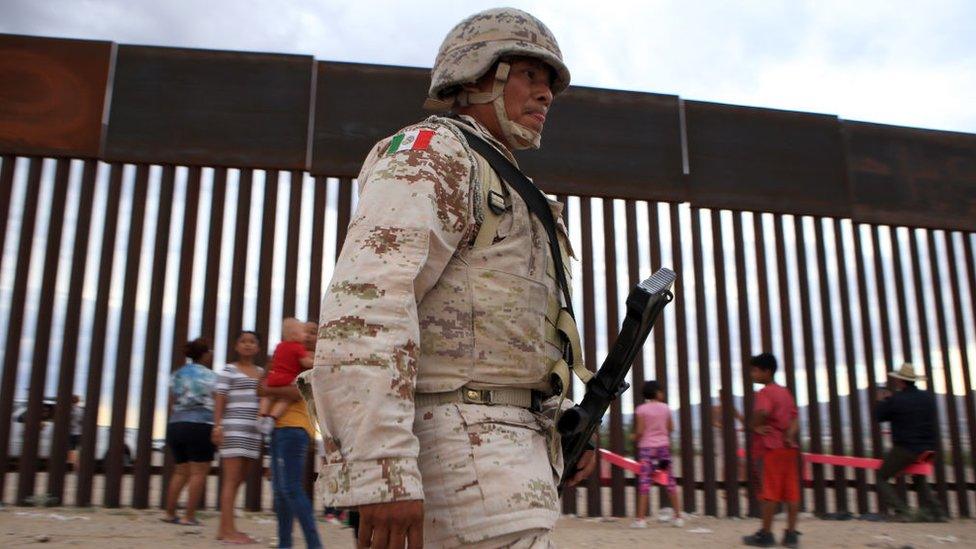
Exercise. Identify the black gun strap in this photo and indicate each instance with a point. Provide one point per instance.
(534, 199)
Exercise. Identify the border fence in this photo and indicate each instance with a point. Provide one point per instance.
(150, 194)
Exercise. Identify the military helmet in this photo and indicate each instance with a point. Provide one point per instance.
(476, 43)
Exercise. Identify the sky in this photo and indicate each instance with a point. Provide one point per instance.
(896, 62)
(887, 62)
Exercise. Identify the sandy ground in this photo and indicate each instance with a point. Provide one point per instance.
(117, 528)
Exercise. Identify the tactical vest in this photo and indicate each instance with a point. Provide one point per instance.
(494, 318)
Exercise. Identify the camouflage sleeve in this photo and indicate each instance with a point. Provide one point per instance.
(413, 212)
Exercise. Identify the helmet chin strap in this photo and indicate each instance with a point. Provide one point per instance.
(517, 136)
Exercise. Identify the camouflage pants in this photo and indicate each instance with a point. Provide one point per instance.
(487, 477)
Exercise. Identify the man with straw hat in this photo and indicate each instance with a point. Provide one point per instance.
(914, 428)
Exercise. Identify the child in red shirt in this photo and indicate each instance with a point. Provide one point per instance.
(288, 360)
(774, 424)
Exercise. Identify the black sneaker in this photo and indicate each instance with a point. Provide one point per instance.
(762, 538)
(791, 538)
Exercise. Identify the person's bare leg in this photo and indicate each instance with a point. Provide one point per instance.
(231, 472)
(198, 478)
(181, 473)
(73, 459)
(793, 509)
(642, 506)
(768, 510)
(675, 502)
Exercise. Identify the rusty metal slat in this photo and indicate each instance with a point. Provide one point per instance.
(813, 407)
(902, 295)
(923, 330)
(291, 253)
(252, 498)
(69, 341)
(150, 365)
(660, 356)
(660, 331)
(730, 475)
(123, 357)
(633, 278)
(183, 286)
(241, 228)
(269, 210)
(6, 187)
(765, 320)
(187, 253)
(906, 342)
(569, 493)
(833, 405)
(706, 431)
(684, 384)
(867, 339)
(96, 356)
(958, 467)
(745, 347)
(785, 305)
(262, 317)
(637, 371)
(343, 213)
(617, 501)
(11, 354)
(214, 242)
(884, 320)
(967, 247)
(594, 501)
(318, 237)
(969, 402)
(854, 398)
(42, 335)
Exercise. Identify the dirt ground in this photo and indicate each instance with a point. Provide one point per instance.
(118, 528)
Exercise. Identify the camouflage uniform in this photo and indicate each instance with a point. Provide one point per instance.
(423, 301)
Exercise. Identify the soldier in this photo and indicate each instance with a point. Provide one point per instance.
(443, 328)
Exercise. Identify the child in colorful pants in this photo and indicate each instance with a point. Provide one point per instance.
(652, 432)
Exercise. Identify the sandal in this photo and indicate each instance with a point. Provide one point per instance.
(247, 540)
(174, 520)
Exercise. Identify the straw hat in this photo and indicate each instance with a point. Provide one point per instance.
(906, 373)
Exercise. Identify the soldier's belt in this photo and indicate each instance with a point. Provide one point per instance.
(523, 398)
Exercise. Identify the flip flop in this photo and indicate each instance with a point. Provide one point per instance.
(247, 541)
(174, 520)
(193, 522)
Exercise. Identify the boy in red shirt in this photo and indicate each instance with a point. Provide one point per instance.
(288, 360)
(774, 448)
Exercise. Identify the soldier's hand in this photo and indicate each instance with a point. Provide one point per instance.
(584, 468)
(392, 525)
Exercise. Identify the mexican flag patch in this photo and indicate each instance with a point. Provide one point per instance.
(413, 140)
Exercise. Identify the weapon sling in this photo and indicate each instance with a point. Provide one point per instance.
(536, 201)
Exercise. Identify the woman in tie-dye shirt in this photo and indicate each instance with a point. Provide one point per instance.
(191, 404)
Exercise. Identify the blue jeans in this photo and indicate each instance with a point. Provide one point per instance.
(288, 446)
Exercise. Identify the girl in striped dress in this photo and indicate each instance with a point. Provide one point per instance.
(235, 429)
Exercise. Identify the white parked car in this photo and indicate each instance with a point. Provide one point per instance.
(46, 433)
